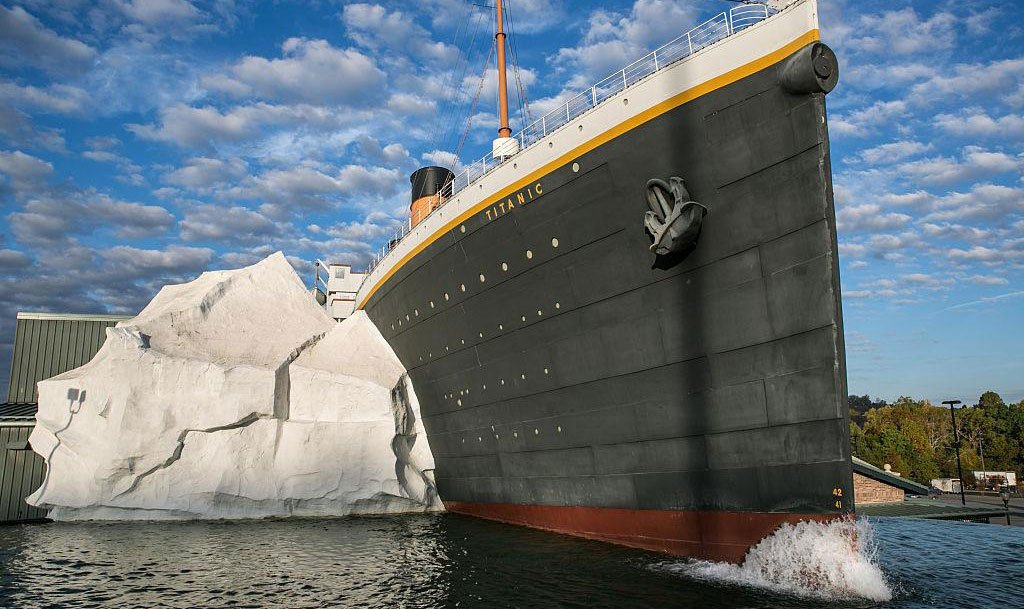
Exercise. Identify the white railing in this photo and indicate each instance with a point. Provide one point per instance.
(711, 31)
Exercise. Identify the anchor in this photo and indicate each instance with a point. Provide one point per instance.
(674, 221)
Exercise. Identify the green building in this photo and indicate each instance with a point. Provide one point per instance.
(45, 345)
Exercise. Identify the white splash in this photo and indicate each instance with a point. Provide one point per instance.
(809, 559)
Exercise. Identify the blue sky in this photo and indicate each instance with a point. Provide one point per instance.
(144, 141)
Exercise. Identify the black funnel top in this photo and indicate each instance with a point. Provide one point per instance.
(427, 181)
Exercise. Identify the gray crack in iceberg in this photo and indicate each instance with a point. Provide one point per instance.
(235, 396)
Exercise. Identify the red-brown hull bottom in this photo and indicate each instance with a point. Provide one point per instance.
(710, 535)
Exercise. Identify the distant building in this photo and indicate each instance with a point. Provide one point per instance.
(995, 480)
(874, 485)
(45, 345)
(947, 485)
(335, 287)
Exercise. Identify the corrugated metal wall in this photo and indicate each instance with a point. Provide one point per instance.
(47, 345)
(21, 473)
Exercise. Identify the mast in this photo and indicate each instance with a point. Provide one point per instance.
(504, 130)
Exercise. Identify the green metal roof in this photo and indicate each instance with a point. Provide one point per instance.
(926, 508)
(48, 344)
(864, 468)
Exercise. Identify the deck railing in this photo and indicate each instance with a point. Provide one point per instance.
(717, 28)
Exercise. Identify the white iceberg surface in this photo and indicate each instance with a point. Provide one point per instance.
(234, 396)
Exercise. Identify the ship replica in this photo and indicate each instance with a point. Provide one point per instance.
(625, 323)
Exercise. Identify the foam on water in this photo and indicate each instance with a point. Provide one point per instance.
(808, 559)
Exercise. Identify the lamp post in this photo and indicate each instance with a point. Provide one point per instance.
(956, 444)
(1005, 496)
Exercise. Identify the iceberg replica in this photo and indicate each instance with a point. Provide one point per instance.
(234, 396)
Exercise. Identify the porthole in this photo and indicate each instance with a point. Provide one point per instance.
(539, 312)
(462, 287)
(551, 144)
(481, 335)
(522, 376)
(458, 402)
(504, 266)
(554, 242)
(496, 437)
(524, 318)
(558, 305)
(546, 371)
(462, 228)
(502, 381)
(416, 312)
(576, 166)
(536, 431)
(625, 101)
(581, 127)
(485, 387)
(482, 278)
(515, 434)
(529, 254)
(559, 429)
(446, 297)
(501, 327)
(462, 341)
(479, 439)
(431, 304)
(406, 317)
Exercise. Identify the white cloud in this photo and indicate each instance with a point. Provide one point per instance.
(310, 71)
(869, 217)
(893, 151)
(377, 28)
(975, 163)
(24, 170)
(992, 202)
(411, 105)
(175, 259)
(160, 12)
(25, 41)
(987, 255)
(11, 260)
(959, 232)
(204, 127)
(201, 173)
(903, 32)
(55, 219)
(57, 98)
(218, 223)
(971, 80)
(976, 122)
(987, 280)
(612, 40)
(865, 121)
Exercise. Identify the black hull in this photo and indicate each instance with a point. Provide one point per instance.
(713, 381)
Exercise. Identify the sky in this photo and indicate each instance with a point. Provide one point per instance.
(145, 141)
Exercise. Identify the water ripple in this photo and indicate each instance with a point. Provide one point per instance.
(444, 561)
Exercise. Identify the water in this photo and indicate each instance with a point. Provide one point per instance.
(454, 561)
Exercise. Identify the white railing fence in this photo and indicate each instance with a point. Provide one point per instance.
(711, 31)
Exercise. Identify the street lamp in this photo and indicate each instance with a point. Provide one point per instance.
(1005, 496)
(956, 444)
